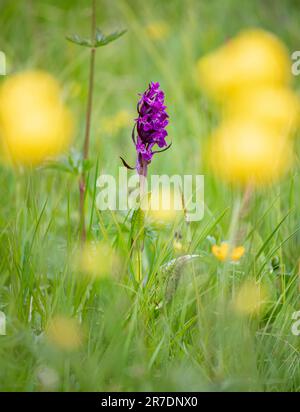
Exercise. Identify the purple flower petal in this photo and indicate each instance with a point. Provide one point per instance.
(150, 124)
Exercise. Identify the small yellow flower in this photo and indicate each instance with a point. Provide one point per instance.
(250, 299)
(157, 30)
(237, 253)
(34, 123)
(163, 204)
(97, 260)
(253, 57)
(65, 333)
(223, 252)
(113, 124)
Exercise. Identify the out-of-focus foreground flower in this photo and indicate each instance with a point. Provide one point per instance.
(252, 57)
(250, 76)
(64, 333)
(163, 204)
(34, 123)
(97, 260)
(250, 298)
(244, 152)
(275, 108)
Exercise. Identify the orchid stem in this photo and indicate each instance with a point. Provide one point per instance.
(139, 252)
(143, 176)
(82, 179)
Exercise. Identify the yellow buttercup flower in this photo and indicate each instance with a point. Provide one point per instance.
(117, 122)
(97, 260)
(250, 74)
(277, 109)
(250, 298)
(34, 123)
(237, 253)
(64, 333)
(244, 152)
(223, 252)
(163, 204)
(254, 57)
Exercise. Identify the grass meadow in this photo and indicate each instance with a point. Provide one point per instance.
(84, 321)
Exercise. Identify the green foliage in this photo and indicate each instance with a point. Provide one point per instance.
(137, 230)
(100, 39)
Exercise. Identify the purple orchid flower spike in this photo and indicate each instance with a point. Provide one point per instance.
(150, 127)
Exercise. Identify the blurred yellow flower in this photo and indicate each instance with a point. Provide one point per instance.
(245, 152)
(163, 204)
(237, 253)
(34, 123)
(157, 30)
(220, 252)
(250, 298)
(250, 75)
(113, 124)
(223, 252)
(254, 57)
(65, 333)
(97, 259)
(276, 108)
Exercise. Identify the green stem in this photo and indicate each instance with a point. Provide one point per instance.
(139, 265)
(82, 180)
(140, 246)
